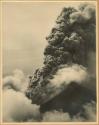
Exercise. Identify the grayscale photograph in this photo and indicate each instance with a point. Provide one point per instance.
(49, 62)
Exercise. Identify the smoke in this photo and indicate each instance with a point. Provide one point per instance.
(85, 13)
(90, 111)
(16, 81)
(66, 75)
(68, 59)
(16, 106)
(56, 116)
(60, 81)
(85, 77)
(92, 63)
(89, 114)
(63, 78)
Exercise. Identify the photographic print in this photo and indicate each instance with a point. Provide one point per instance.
(49, 57)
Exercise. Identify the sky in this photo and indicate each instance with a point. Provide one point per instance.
(25, 26)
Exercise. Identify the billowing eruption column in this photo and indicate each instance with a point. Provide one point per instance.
(69, 45)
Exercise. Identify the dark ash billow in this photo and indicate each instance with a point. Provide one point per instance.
(71, 44)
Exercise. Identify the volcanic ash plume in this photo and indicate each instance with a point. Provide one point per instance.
(63, 77)
(86, 13)
(66, 62)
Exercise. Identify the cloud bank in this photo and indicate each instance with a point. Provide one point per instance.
(16, 106)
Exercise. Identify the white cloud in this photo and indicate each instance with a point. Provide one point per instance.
(17, 81)
(68, 74)
(18, 108)
(56, 116)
